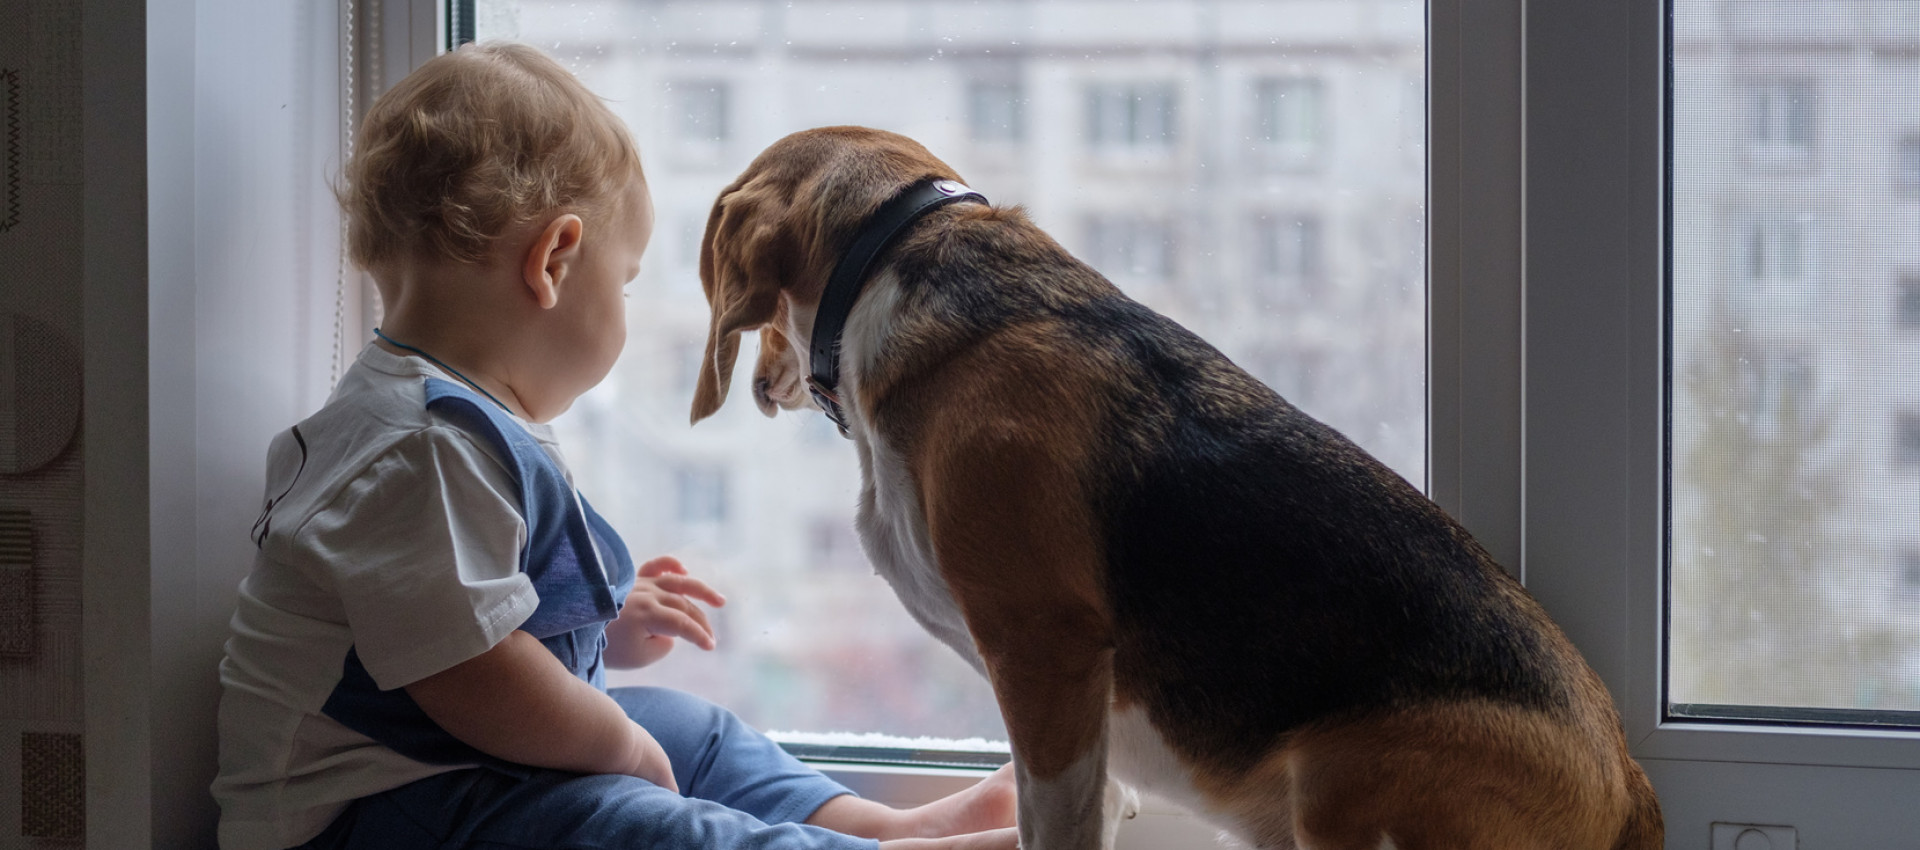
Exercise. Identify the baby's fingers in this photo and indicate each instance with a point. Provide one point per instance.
(663, 565)
(682, 619)
(687, 585)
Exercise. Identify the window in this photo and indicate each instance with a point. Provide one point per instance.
(1907, 163)
(1780, 117)
(764, 508)
(700, 111)
(1780, 503)
(1774, 278)
(1906, 441)
(1130, 248)
(1131, 117)
(996, 111)
(1907, 302)
(1287, 258)
(1626, 270)
(1288, 116)
(1774, 248)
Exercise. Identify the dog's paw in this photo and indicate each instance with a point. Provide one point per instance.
(1122, 804)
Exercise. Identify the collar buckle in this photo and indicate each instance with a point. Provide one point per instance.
(829, 402)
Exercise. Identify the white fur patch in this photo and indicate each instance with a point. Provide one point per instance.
(867, 328)
(1138, 755)
(891, 520)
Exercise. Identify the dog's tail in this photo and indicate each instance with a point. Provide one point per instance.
(1645, 829)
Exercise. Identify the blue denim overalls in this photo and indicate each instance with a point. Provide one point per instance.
(738, 790)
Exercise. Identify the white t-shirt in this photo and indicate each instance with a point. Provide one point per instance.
(388, 531)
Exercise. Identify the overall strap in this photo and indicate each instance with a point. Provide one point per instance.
(579, 567)
(561, 556)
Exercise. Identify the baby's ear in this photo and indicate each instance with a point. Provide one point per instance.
(748, 251)
(553, 254)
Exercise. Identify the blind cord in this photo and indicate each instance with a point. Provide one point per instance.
(346, 155)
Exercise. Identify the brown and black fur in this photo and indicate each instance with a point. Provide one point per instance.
(1128, 520)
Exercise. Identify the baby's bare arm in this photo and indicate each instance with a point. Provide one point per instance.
(517, 702)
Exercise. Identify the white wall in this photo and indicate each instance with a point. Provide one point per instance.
(242, 102)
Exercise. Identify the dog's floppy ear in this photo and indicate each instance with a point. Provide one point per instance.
(749, 249)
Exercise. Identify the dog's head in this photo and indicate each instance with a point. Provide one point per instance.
(772, 240)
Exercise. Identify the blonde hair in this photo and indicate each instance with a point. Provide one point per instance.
(476, 141)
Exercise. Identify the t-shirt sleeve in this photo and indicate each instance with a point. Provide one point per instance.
(423, 551)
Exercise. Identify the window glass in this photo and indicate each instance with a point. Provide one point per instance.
(1137, 134)
(1795, 489)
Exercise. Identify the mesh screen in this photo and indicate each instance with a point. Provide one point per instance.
(1795, 371)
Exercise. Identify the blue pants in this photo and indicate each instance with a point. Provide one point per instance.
(742, 791)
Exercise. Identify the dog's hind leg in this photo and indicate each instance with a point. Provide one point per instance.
(1458, 776)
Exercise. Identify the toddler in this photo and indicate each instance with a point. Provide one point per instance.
(418, 654)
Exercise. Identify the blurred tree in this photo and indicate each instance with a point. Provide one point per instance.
(1757, 486)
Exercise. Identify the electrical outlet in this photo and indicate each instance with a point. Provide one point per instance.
(1747, 836)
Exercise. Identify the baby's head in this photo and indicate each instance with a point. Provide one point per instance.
(490, 181)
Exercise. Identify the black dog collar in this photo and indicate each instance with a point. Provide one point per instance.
(843, 288)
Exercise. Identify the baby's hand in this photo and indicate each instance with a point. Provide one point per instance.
(662, 606)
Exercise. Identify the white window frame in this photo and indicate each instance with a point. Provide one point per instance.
(1591, 391)
(1547, 376)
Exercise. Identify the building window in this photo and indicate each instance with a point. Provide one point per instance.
(1907, 163)
(996, 111)
(1131, 247)
(1907, 302)
(1289, 115)
(701, 495)
(1777, 391)
(1906, 441)
(1910, 570)
(1774, 248)
(1135, 117)
(700, 111)
(1780, 116)
(1288, 258)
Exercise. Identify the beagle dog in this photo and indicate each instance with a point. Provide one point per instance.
(1164, 569)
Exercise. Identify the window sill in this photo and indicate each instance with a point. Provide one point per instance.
(1159, 825)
